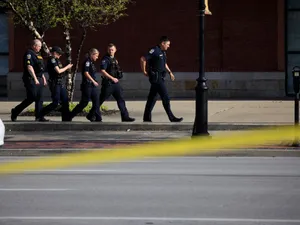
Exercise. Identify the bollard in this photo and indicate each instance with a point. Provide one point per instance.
(296, 74)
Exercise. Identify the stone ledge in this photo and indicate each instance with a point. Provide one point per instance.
(221, 85)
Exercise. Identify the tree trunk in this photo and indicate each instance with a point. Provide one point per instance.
(77, 62)
(69, 60)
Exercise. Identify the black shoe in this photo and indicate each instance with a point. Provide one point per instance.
(66, 120)
(13, 116)
(43, 119)
(147, 121)
(175, 119)
(129, 119)
(90, 118)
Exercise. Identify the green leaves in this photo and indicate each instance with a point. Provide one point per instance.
(93, 13)
(46, 14)
(42, 14)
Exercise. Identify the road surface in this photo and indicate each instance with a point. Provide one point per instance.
(159, 191)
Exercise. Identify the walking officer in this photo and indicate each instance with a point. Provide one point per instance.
(154, 66)
(89, 90)
(57, 84)
(111, 74)
(34, 81)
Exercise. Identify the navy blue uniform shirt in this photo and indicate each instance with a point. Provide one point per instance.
(156, 60)
(110, 65)
(51, 64)
(105, 62)
(88, 66)
(36, 61)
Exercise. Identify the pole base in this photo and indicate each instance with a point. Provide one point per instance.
(206, 134)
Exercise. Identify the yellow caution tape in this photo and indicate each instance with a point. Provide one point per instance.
(197, 145)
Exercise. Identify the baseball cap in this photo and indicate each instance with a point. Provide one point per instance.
(57, 50)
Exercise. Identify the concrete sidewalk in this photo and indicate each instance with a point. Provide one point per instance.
(222, 115)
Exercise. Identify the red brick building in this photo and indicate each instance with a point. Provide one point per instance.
(241, 36)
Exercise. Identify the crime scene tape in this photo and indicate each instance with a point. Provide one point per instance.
(198, 145)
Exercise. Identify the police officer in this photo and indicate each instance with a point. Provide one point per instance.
(89, 89)
(111, 74)
(154, 66)
(57, 84)
(34, 81)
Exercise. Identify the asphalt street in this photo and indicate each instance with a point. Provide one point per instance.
(160, 191)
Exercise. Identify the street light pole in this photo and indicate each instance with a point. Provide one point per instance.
(200, 124)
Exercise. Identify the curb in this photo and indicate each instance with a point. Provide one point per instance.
(242, 153)
(113, 126)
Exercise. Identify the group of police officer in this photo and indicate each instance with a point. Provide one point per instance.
(153, 64)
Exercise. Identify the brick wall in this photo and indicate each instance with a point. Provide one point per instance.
(240, 36)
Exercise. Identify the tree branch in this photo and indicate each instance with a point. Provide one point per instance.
(17, 13)
(30, 26)
(80, 47)
(77, 61)
(27, 9)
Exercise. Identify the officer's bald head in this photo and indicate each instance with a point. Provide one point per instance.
(36, 45)
(36, 42)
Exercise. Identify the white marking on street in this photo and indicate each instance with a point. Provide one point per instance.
(169, 219)
(35, 189)
(159, 171)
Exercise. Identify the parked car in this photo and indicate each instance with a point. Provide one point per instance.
(2, 133)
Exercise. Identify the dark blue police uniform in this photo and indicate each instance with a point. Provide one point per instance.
(58, 90)
(156, 69)
(110, 65)
(88, 92)
(34, 92)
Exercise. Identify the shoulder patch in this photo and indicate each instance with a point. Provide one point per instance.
(28, 62)
(53, 60)
(151, 51)
(28, 56)
(87, 64)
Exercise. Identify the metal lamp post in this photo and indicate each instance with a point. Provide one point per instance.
(201, 124)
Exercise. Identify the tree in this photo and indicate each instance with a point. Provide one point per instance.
(88, 15)
(36, 15)
(40, 15)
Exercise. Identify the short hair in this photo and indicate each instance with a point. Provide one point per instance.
(111, 45)
(93, 51)
(35, 42)
(163, 39)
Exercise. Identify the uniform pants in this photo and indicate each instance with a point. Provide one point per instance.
(116, 91)
(158, 87)
(59, 96)
(34, 93)
(88, 92)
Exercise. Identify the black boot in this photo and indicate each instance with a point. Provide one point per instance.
(175, 119)
(13, 115)
(128, 119)
(42, 119)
